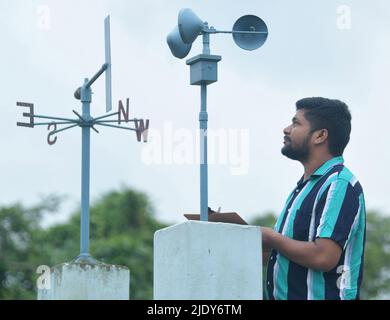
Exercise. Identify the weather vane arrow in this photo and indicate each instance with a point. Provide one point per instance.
(87, 122)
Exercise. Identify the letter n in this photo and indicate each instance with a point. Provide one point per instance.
(122, 111)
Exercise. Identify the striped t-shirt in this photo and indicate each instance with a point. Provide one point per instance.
(330, 204)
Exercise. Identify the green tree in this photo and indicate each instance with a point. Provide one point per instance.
(19, 248)
(122, 229)
(376, 276)
(267, 219)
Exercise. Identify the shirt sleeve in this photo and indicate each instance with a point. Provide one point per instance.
(339, 210)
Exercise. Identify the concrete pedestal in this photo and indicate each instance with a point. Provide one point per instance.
(78, 281)
(205, 260)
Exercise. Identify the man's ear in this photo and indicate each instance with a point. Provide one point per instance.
(320, 136)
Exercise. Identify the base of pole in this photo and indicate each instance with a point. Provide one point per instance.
(198, 260)
(83, 281)
(86, 258)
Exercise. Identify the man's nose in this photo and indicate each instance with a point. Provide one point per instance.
(286, 130)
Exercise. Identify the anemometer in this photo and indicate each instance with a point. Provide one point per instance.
(249, 33)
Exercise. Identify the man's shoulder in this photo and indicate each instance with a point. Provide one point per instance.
(346, 175)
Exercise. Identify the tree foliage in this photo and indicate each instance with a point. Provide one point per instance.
(121, 230)
(376, 277)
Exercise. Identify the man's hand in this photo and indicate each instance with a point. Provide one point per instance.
(266, 244)
(267, 234)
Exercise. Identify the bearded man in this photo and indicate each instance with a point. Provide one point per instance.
(316, 249)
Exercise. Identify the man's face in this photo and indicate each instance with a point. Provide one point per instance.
(297, 138)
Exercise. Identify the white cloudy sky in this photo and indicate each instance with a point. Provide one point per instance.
(306, 54)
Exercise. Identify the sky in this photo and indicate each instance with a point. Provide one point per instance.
(335, 49)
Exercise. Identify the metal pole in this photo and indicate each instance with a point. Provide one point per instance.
(203, 118)
(85, 172)
(206, 39)
(97, 75)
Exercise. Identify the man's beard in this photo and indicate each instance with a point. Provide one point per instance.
(300, 152)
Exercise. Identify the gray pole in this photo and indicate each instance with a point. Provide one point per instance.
(203, 118)
(85, 172)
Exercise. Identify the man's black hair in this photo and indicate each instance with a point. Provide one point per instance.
(329, 114)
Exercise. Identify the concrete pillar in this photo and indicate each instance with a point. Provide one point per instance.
(80, 281)
(206, 260)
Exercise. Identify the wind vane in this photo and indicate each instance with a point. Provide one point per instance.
(87, 122)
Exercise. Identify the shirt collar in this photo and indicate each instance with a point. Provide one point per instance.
(325, 167)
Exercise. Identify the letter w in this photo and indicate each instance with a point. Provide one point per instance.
(142, 129)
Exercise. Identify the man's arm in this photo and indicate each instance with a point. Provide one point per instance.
(322, 254)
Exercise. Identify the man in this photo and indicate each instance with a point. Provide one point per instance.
(316, 249)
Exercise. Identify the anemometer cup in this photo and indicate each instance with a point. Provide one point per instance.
(177, 46)
(250, 41)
